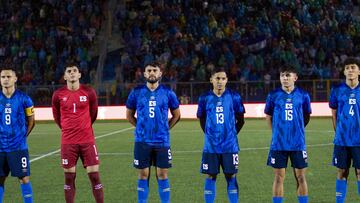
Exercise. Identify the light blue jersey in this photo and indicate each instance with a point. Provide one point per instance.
(152, 108)
(347, 103)
(220, 130)
(13, 123)
(287, 111)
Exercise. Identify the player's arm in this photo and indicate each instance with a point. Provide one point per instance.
(203, 122)
(333, 116)
(30, 118)
(55, 104)
(306, 119)
(130, 116)
(175, 117)
(93, 105)
(269, 121)
(240, 121)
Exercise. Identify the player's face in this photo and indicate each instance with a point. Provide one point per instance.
(72, 74)
(219, 80)
(351, 72)
(152, 74)
(8, 78)
(288, 79)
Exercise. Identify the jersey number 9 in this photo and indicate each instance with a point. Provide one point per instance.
(7, 116)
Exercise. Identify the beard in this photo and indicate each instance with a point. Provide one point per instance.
(152, 80)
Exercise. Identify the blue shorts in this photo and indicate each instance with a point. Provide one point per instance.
(17, 162)
(342, 157)
(146, 155)
(279, 159)
(211, 163)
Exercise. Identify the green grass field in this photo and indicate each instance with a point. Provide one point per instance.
(119, 177)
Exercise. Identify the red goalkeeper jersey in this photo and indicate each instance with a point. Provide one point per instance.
(75, 112)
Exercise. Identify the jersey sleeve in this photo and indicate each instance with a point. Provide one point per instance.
(269, 106)
(131, 101)
(93, 102)
(55, 104)
(28, 106)
(173, 101)
(333, 103)
(307, 104)
(201, 111)
(238, 104)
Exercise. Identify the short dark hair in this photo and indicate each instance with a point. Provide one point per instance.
(287, 68)
(71, 64)
(154, 64)
(218, 70)
(351, 60)
(8, 67)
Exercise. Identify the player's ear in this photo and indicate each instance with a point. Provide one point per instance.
(295, 77)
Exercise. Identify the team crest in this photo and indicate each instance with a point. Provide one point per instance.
(83, 98)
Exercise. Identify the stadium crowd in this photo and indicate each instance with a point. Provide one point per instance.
(38, 37)
(249, 38)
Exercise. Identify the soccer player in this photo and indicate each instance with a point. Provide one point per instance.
(221, 114)
(287, 112)
(152, 102)
(74, 109)
(345, 105)
(17, 121)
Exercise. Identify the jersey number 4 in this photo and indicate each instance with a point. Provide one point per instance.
(351, 110)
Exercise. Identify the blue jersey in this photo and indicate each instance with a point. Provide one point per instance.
(287, 111)
(345, 101)
(152, 109)
(13, 123)
(220, 131)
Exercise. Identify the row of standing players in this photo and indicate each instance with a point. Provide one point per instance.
(221, 114)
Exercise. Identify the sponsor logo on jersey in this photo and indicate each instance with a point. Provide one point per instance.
(64, 99)
(152, 98)
(288, 100)
(8, 105)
